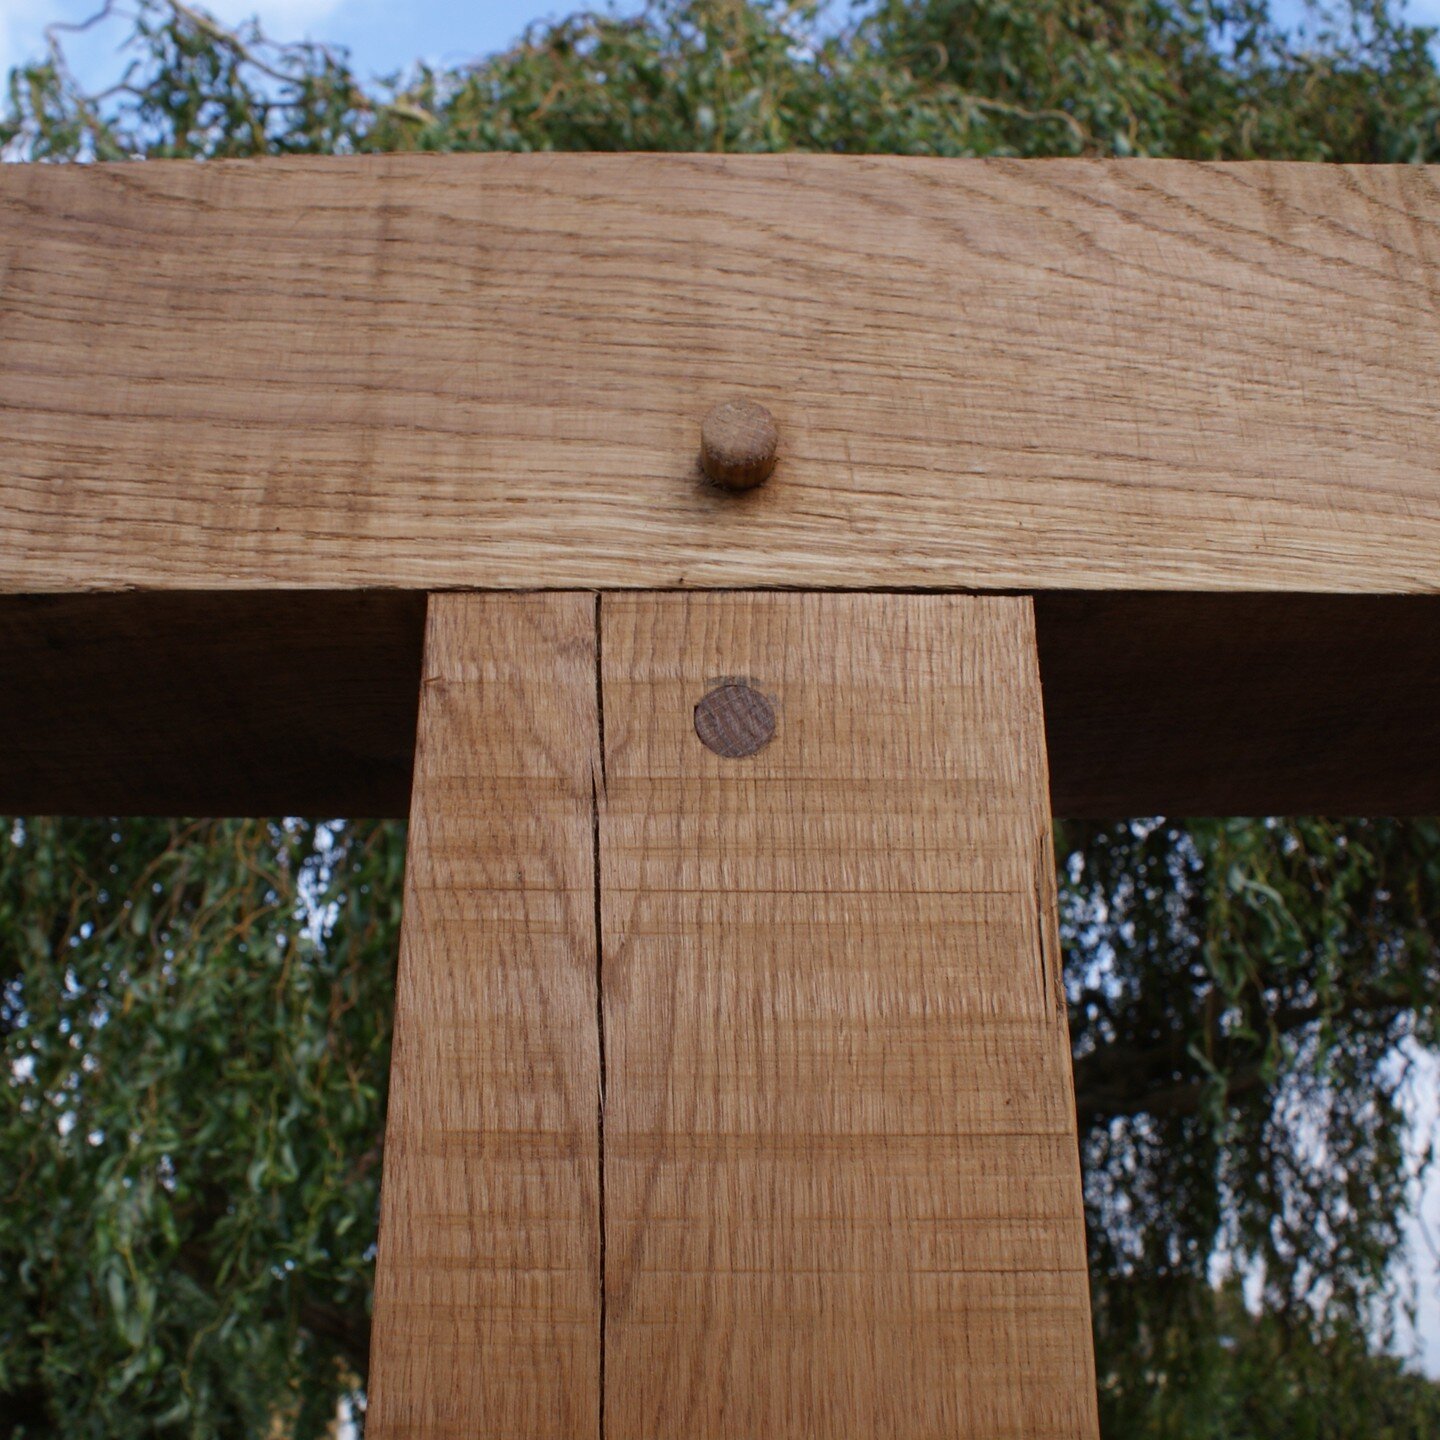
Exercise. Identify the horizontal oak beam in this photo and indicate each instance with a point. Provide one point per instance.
(489, 371)
(304, 703)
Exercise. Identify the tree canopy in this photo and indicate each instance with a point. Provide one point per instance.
(1201, 79)
(195, 1014)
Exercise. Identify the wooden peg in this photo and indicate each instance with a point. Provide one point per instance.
(738, 444)
(735, 720)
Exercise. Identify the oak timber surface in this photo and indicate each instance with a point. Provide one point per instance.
(490, 372)
(487, 1294)
(842, 1188)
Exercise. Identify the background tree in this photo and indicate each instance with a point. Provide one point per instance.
(195, 1015)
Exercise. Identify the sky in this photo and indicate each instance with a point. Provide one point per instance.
(384, 36)
(381, 35)
(1422, 1229)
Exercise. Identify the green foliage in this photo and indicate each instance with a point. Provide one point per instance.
(195, 1022)
(1243, 997)
(195, 1017)
(1196, 80)
(1209, 79)
(1267, 1377)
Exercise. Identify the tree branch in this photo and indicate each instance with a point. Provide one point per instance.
(1116, 1080)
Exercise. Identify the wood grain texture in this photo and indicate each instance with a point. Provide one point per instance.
(490, 372)
(487, 1296)
(842, 1186)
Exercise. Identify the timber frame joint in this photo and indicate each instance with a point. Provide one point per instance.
(733, 1082)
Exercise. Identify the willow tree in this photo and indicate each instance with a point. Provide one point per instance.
(195, 1015)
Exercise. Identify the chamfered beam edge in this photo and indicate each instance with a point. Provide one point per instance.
(489, 372)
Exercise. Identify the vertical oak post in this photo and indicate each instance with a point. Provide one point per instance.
(842, 1183)
(796, 1158)
(487, 1297)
